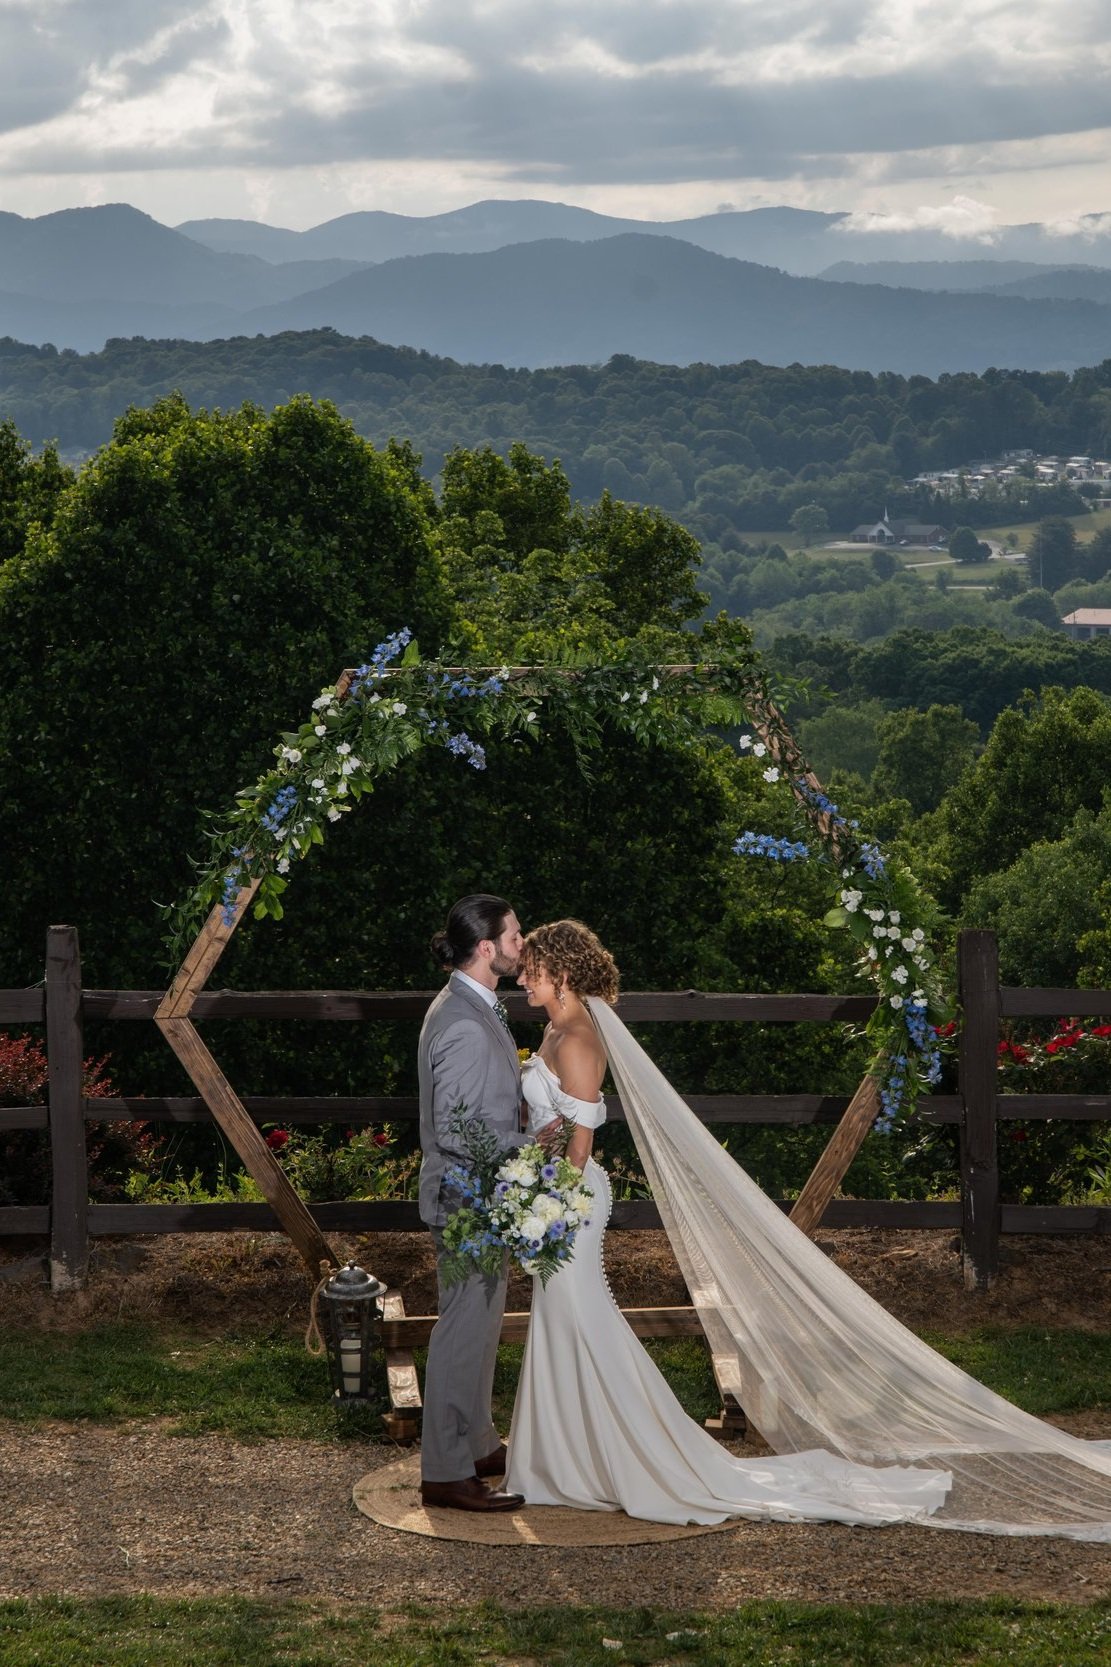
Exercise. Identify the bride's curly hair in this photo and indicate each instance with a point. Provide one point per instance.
(568, 950)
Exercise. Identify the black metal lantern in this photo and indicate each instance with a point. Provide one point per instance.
(352, 1311)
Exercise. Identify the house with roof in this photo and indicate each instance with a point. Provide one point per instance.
(898, 532)
(1088, 622)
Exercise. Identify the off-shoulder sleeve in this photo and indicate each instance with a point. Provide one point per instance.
(588, 1114)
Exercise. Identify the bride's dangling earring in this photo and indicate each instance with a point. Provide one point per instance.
(560, 997)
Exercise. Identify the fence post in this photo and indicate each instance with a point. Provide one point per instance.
(978, 992)
(69, 1205)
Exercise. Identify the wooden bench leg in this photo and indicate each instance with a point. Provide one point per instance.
(402, 1422)
(730, 1423)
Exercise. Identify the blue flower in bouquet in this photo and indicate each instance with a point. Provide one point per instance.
(531, 1207)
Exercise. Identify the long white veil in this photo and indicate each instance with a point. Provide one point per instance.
(815, 1362)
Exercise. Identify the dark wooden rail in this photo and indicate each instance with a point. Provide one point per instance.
(62, 1005)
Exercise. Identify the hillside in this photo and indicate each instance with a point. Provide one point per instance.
(83, 276)
(730, 449)
(789, 237)
(799, 240)
(659, 298)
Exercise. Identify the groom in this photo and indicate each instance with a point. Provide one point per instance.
(466, 1057)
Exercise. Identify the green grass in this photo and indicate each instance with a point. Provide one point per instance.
(249, 1388)
(253, 1388)
(1041, 1371)
(231, 1632)
(1086, 527)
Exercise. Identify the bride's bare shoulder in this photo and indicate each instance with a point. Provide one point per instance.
(582, 1061)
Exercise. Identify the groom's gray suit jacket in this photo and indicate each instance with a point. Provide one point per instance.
(465, 1056)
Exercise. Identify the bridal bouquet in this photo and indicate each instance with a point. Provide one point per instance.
(524, 1201)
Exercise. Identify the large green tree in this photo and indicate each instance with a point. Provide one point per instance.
(1048, 903)
(29, 488)
(203, 576)
(923, 754)
(1044, 761)
(535, 573)
(1052, 558)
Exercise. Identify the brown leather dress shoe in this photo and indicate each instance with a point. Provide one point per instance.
(468, 1495)
(493, 1464)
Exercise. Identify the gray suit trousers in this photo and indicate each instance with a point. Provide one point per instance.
(459, 1378)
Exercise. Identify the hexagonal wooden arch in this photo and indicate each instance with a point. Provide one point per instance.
(172, 1019)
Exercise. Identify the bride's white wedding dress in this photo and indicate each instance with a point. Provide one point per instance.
(595, 1425)
(868, 1424)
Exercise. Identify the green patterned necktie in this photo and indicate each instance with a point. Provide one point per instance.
(502, 1011)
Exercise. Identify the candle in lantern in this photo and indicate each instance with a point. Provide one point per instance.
(350, 1354)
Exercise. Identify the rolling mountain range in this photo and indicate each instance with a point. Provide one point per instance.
(81, 276)
(800, 240)
(994, 277)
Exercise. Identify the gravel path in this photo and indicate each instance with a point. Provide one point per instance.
(90, 1510)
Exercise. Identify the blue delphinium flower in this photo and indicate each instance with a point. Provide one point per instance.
(463, 747)
(374, 668)
(276, 814)
(871, 859)
(766, 845)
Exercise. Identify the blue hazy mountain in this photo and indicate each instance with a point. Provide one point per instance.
(1001, 277)
(801, 241)
(119, 256)
(788, 237)
(81, 276)
(662, 299)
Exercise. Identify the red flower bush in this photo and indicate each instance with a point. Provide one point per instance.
(114, 1149)
(1048, 1161)
(23, 1070)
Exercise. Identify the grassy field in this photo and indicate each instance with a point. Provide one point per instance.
(1023, 531)
(256, 1388)
(1020, 534)
(231, 1632)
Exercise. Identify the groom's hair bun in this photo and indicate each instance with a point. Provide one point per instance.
(442, 950)
(478, 916)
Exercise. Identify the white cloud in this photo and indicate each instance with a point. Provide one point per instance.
(724, 97)
(1090, 227)
(963, 218)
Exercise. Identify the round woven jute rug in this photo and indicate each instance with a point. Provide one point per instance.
(391, 1496)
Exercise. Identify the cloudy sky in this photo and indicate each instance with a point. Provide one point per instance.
(961, 114)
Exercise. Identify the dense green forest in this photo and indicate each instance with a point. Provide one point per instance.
(727, 449)
(172, 606)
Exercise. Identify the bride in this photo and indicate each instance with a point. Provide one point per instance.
(869, 1426)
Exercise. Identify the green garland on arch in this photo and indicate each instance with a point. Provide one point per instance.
(395, 705)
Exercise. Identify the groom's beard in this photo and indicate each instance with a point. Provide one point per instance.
(503, 966)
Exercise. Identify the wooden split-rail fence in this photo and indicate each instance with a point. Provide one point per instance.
(62, 1005)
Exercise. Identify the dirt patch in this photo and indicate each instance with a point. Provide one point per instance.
(216, 1282)
(88, 1510)
(101, 1512)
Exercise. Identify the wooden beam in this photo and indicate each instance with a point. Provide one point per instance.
(69, 1198)
(359, 1006)
(258, 1159)
(22, 1007)
(214, 1088)
(844, 1144)
(414, 1330)
(211, 941)
(978, 994)
(851, 1132)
